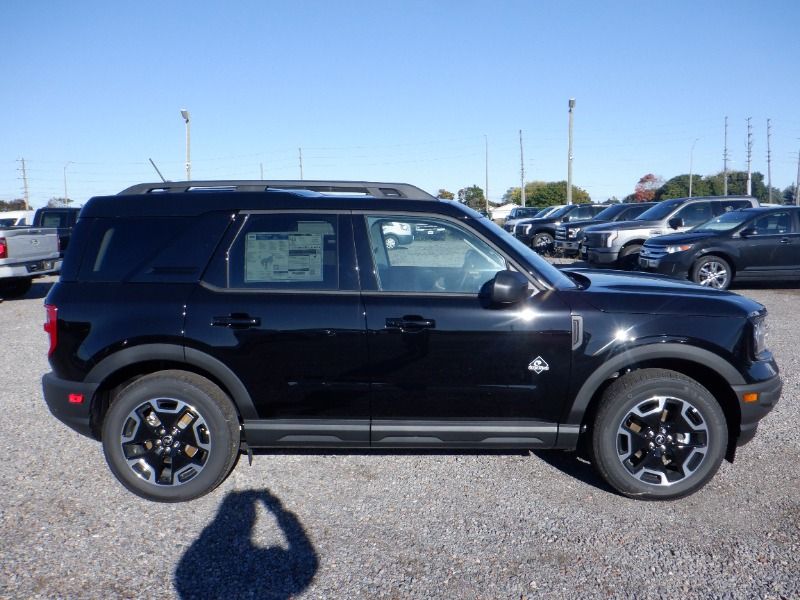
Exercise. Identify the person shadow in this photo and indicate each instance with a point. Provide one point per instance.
(224, 562)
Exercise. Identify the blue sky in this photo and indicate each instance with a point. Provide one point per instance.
(395, 91)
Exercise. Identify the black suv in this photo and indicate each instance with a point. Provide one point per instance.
(191, 324)
(758, 244)
(569, 235)
(539, 233)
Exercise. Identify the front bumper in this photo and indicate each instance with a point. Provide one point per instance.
(768, 393)
(57, 394)
(602, 256)
(567, 246)
(673, 265)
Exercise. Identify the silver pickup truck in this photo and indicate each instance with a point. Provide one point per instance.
(26, 253)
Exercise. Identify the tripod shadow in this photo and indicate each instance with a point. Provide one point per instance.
(225, 563)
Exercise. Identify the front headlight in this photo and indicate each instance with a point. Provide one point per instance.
(759, 334)
(526, 229)
(678, 248)
(573, 233)
(607, 238)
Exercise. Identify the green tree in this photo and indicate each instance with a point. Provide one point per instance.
(546, 193)
(678, 187)
(443, 194)
(57, 203)
(473, 197)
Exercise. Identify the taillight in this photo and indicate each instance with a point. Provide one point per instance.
(51, 326)
(3, 248)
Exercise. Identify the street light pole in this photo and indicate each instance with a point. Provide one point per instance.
(185, 115)
(66, 197)
(691, 158)
(569, 153)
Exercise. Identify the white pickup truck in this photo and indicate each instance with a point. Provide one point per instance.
(26, 253)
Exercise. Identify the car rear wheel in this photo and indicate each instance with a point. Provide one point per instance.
(712, 271)
(15, 288)
(658, 435)
(171, 436)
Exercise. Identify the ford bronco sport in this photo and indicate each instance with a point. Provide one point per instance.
(195, 321)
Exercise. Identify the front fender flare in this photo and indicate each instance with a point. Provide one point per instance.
(645, 353)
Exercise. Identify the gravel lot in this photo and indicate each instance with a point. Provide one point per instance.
(398, 525)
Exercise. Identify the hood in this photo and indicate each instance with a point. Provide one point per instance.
(686, 237)
(586, 223)
(624, 292)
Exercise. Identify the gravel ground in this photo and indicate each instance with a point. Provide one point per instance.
(388, 525)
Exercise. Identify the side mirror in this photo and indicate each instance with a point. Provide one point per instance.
(747, 232)
(565, 219)
(675, 222)
(508, 287)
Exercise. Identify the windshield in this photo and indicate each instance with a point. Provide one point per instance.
(543, 212)
(725, 222)
(7, 222)
(660, 210)
(560, 212)
(609, 213)
(549, 273)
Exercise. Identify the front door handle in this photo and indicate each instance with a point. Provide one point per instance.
(236, 321)
(410, 323)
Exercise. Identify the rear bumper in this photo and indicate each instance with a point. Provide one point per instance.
(769, 392)
(33, 268)
(77, 415)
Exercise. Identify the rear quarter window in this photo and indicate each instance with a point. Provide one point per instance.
(149, 249)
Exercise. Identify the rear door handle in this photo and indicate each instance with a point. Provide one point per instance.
(236, 321)
(410, 323)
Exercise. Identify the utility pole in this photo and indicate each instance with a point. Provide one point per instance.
(569, 153)
(300, 153)
(25, 185)
(725, 162)
(691, 160)
(486, 146)
(261, 167)
(769, 163)
(749, 158)
(521, 171)
(797, 182)
(66, 197)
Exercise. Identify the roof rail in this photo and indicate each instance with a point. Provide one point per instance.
(371, 188)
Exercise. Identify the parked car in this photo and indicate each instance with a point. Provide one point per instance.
(569, 235)
(754, 244)
(62, 219)
(618, 244)
(540, 233)
(279, 319)
(16, 218)
(522, 212)
(396, 234)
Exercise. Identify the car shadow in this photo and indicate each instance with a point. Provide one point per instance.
(572, 464)
(39, 288)
(226, 561)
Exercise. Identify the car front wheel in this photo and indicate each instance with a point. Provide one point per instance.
(542, 243)
(658, 435)
(712, 271)
(391, 242)
(171, 436)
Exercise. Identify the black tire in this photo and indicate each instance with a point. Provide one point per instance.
(176, 408)
(15, 288)
(391, 242)
(712, 271)
(628, 259)
(542, 242)
(658, 435)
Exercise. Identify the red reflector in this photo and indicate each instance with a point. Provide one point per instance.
(76, 398)
(3, 248)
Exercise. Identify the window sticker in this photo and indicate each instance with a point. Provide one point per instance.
(275, 257)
